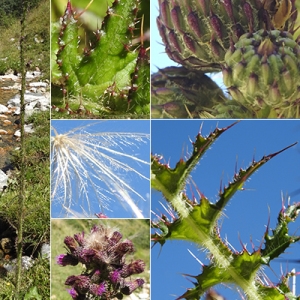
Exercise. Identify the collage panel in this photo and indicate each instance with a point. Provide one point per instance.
(225, 59)
(24, 149)
(100, 169)
(224, 200)
(100, 59)
(75, 197)
(100, 259)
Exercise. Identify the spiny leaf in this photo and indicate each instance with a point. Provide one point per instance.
(172, 181)
(198, 223)
(101, 77)
(241, 177)
(276, 244)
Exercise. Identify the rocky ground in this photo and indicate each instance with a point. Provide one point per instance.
(37, 98)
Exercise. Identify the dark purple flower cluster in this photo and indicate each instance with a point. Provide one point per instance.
(103, 254)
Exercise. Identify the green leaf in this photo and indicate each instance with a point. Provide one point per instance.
(171, 182)
(33, 294)
(101, 78)
(276, 244)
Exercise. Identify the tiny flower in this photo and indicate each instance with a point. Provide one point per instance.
(101, 216)
(131, 286)
(67, 259)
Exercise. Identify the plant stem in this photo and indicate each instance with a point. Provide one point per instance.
(22, 154)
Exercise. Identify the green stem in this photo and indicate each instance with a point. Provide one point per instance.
(22, 154)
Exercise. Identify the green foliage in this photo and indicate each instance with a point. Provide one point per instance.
(36, 224)
(199, 223)
(37, 29)
(108, 77)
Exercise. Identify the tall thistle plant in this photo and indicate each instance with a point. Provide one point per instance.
(239, 257)
(106, 71)
(95, 170)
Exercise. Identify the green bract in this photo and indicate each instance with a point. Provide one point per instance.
(197, 34)
(262, 71)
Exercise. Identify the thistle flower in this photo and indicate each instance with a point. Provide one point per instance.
(105, 268)
(92, 169)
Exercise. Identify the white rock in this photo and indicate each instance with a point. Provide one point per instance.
(27, 263)
(45, 251)
(17, 133)
(31, 75)
(3, 109)
(14, 101)
(3, 179)
(38, 84)
(27, 128)
(17, 111)
(10, 76)
(33, 90)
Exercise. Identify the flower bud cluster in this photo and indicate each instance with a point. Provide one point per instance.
(103, 254)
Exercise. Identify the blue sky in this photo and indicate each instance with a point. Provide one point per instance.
(248, 211)
(141, 151)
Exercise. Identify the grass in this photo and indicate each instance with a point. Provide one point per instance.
(37, 206)
(136, 230)
(37, 28)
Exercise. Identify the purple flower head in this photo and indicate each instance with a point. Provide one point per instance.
(115, 276)
(123, 248)
(79, 237)
(86, 256)
(70, 243)
(116, 237)
(83, 284)
(67, 259)
(73, 293)
(103, 253)
(71, 280)
(131, 286)
(135, 267)
(98, 289)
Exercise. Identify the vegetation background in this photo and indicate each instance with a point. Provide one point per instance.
(37, 37)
